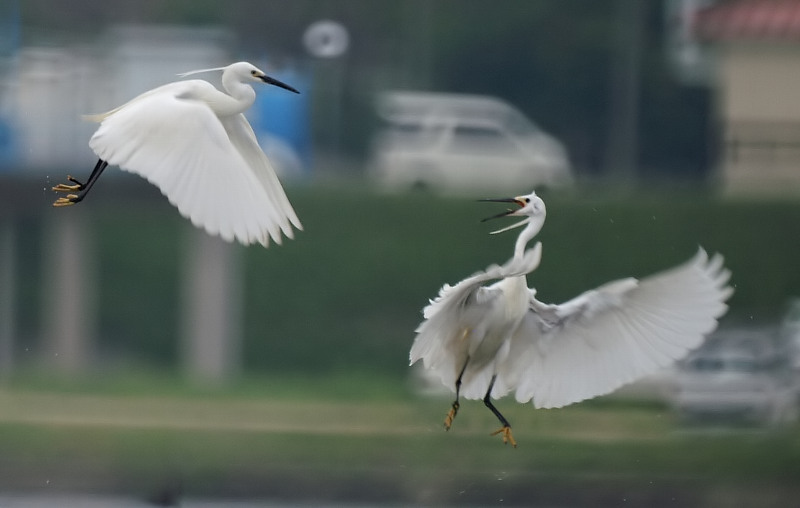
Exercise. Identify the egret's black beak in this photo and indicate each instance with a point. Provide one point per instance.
(272, 81)
(502, 200)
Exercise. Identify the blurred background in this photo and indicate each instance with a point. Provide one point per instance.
(145, 363)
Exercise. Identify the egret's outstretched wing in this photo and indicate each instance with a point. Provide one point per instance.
(173, 139)
(439, 341)
(615, 334)
(244, 139)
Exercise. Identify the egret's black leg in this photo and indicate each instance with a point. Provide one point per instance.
(98, 168)
(451, 415)
(81, 188)
(506, 428)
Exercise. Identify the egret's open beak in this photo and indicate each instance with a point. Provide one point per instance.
(507, 212)
(272, 81)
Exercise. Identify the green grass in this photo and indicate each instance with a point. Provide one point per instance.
(142, 380)
(389, 450)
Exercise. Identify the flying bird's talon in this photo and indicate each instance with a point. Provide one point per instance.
(451, 415)
(62, 187)
(505, 430)
(67, 201)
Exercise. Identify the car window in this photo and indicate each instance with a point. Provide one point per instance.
(480, 139)
(412, 134)
(706, 364)
(742, 365)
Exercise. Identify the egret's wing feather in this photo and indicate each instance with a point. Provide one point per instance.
(615, 334)
(176, 142)
(439, 341)
(244, 139)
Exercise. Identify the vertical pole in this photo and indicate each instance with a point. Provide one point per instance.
(211, 308)
(69, 291)
(419, 19)
(622, 154)
(7, 292)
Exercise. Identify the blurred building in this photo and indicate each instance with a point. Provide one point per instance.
(757, 48)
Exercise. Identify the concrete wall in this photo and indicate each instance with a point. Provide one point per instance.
(760, 114)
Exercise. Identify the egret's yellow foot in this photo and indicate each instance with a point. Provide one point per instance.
(62, 187)
(507, 436)
(451, 415)
(67, 201)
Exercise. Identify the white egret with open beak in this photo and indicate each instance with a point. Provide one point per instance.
(485, 341)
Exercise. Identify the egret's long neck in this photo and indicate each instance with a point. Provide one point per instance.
(531, 230)
(242, 94)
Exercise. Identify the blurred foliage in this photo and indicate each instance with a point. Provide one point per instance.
(550, 58)
(347, 293)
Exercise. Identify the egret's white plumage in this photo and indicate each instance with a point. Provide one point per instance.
(194, 143)
(488, 341)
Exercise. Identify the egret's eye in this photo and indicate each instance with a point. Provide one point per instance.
(527, 200)
(253, 72)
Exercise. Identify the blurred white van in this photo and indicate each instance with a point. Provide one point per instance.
(739, 375)
(454, 143)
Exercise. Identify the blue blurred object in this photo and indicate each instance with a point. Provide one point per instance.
(10, 21)
(281, 123)
(7, 151)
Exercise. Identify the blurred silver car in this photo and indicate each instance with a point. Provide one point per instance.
(736, 379)
(790, 333)
(454, 143)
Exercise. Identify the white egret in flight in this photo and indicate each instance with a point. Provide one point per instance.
(194, 143)
(487, 341)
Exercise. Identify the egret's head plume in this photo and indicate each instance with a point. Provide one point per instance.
(199, 71)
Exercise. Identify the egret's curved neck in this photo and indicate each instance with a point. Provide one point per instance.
(527, 234)
(242, 94)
